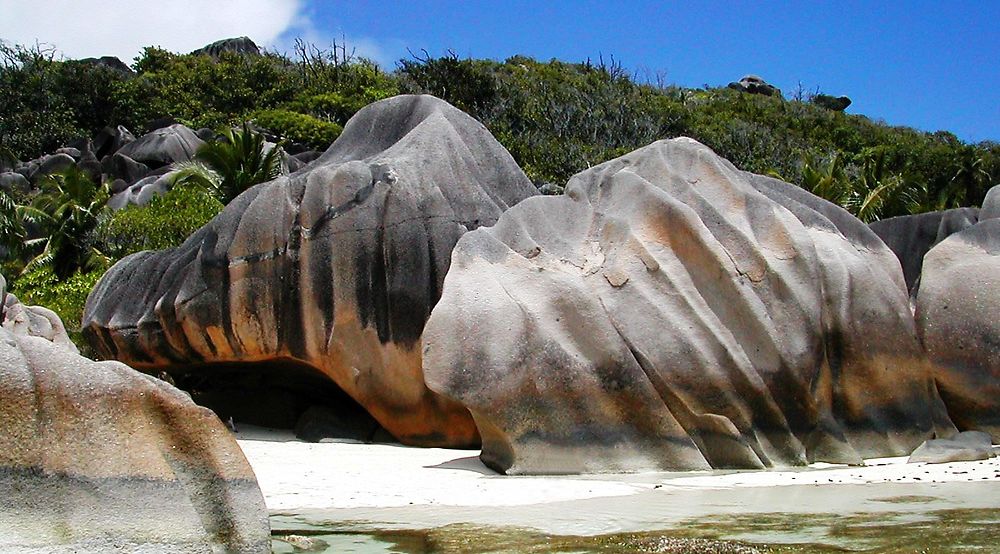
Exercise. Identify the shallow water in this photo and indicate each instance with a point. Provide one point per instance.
(946, 531)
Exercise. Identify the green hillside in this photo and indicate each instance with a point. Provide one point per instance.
(556, 118)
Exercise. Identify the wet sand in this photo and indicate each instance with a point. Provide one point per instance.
(359, 487)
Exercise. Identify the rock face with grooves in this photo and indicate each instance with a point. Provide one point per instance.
(336, 267)
(957, 309)
(96, 457)
(671, 312)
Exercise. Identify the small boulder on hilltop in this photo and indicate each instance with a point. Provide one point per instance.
(835, 103)
(239, 45)
(753, 84)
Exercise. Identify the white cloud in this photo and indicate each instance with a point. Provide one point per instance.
(385, 52)
(123, 27)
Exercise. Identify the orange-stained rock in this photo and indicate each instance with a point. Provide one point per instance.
(335, 267)
(672, 312)
(96, 457)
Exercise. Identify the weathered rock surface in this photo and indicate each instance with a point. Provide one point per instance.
(34, 321)
(335, 267)
(54, 163)
(96, 457)
(142, 191)
(110, 62)
(910, 237)
(958, 318)
(672, 312)
(967, 446)
(174, 143)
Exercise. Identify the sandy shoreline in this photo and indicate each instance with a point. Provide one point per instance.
(390, 486)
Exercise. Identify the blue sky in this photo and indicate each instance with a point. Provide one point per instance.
(929, 65)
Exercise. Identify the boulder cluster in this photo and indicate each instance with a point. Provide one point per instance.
(137, 168)
(667, 312)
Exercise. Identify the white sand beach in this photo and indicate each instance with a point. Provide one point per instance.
(392, 486)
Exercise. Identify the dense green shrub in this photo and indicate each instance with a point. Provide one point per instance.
(298, 127)
(556, 118)
(66, 297)
(166, 221)
(65, 212)
(35, 113)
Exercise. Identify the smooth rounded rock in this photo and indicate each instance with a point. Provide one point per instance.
(335, 267)
(957, 311)
(968, 446)
(671, 312)
(910, 237)
(174, 143)
(991, 204)
(96, 457)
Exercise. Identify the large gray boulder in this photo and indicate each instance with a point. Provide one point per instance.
(175, 143)
(120, 166)
(110, 139)
(142, 191)
(910, 237)
(957, 310)
(335, 268)
(10, 181)
(54, 163)
(96, 457)
(672, 312)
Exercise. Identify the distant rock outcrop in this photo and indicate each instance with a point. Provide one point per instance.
(241, 45)
(672, 312)
(110, 62)
(333, 269)
(835, 103)
(95, 457)
(753, 84)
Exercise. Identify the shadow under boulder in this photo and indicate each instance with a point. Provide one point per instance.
(279, 394)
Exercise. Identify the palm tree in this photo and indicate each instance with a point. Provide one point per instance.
(875, 193)
(12, 232)
(829, 181)
(969, 182)
(238, 162)
(67, 211)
